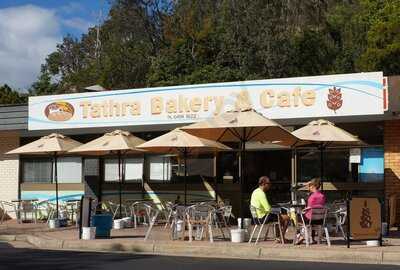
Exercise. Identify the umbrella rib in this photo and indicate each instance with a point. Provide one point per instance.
(248, 134)
(262, 130)
(235, 133)
(223, 133)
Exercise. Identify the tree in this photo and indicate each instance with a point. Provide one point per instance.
(43, 86)
(383, 38)
(9, 96)
(161, 42)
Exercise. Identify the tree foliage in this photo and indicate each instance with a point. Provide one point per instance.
(162, 42)
(9, 96)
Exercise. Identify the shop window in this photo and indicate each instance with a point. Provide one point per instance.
(371, 168)
(36, 170)
(227, 168)
(203, 166)
(133, 169)
(39, 170)
(160, 168)
(337, 167)
(69, 170)
(91, 167)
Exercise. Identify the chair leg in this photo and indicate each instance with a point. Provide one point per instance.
(342, 231)
(252, 233)
(295, 235)
(281, 233)
(319, 235)
(152, 221)
(328, 240)
(210, 233)
(259, 233)
(190, 232)
(267, 232)
(306, 236)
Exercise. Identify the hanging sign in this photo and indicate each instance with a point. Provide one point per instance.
(303, 97)
(355, 155)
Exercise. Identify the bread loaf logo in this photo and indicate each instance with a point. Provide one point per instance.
(59, 111)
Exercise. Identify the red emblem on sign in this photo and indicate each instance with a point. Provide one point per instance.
(335, 100)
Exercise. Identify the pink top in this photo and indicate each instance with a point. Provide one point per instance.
(315, 200)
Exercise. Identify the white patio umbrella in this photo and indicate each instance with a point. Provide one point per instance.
(325, 133)
(182, 143)
(54, 145)
(117, 142)
(242, 126)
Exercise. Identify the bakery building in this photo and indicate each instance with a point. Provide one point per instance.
(365, 104)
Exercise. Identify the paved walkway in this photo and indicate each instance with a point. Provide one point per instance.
(10, 258)
(132, 240)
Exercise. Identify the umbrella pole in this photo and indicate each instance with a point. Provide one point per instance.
(242, 174)
(185, 173)
(120, 184)
(322, 166)
(56, 181)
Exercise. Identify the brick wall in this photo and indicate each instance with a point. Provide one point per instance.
(9, 166)
(392, 162)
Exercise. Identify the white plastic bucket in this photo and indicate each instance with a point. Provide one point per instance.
(237, 235)
(118, 224)
(372, 243)
(88, 233)
(246, 223)
(179, 225)
(54, 223)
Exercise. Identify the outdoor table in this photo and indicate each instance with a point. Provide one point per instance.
(24, 200)
(139, 200)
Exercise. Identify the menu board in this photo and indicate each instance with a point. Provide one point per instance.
(365, 218)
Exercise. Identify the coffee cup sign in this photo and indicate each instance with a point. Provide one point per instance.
(365, 218)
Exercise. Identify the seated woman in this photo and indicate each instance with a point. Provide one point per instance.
(316, 199)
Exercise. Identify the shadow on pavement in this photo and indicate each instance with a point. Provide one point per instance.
(32, 259)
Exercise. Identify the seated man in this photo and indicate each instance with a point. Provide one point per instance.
(260, 202)
(316, 199)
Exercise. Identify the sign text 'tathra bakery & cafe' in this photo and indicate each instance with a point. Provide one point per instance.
(321, 96)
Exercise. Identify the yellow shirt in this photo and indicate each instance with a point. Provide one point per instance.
(259, 201)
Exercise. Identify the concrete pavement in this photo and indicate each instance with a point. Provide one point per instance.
(131, 240)
(25, 258)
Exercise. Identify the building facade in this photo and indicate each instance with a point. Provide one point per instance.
(365, 104)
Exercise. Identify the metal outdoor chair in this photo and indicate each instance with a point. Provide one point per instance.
(199, 216)
(115, 207)
(25, 208)
(73, 211)
(178, 220)
(260, 224)
(221, 217)
(169, 208)
(316, 223)
(7, 208)
(340, 214)
(140, 213)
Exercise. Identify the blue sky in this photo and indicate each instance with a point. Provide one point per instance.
(31, 29)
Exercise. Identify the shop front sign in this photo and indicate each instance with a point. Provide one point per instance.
(303, 97)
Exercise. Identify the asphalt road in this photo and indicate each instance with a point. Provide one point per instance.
(24, 257)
